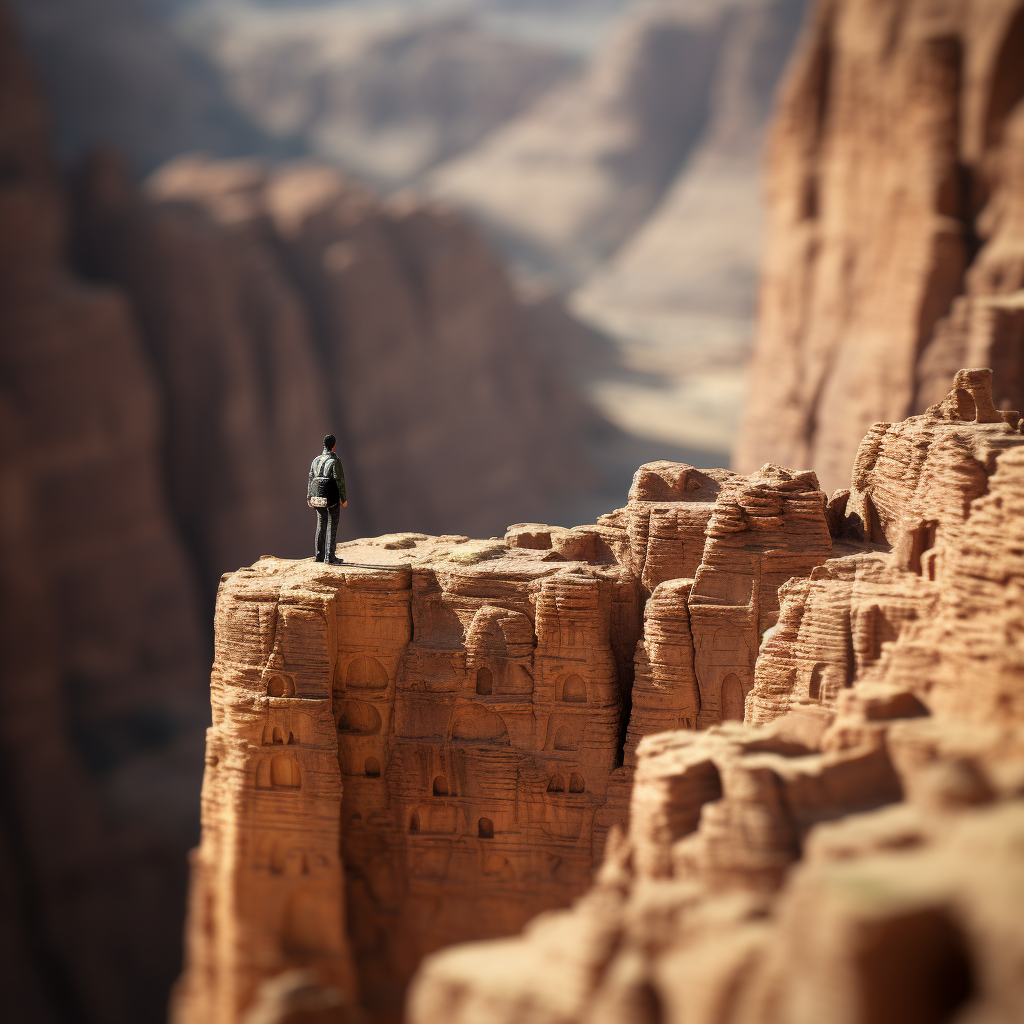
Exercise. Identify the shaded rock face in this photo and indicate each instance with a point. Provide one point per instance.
(855, 856)
(896, 235)
(103, 664)
(112, 73)
(460, 719)
(280, 304)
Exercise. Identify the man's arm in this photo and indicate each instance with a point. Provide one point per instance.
(339, 475)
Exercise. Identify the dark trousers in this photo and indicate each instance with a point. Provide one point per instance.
(326, 532)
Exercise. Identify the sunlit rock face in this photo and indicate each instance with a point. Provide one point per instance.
(460, 719)
(865, 819)
(896, 228)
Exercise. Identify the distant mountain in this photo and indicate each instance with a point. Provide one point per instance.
(383, 92)
(113, 74)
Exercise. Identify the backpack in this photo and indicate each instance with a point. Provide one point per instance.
(323, 489)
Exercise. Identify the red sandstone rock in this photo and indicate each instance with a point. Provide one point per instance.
(894, 187)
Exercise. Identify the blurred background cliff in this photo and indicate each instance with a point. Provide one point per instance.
(506, 250)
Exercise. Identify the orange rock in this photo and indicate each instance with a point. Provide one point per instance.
(856, 856)
(896, 225)
(462, 706)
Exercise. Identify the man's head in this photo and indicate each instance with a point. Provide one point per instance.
(329, 442)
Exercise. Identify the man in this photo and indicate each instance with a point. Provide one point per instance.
(326, 493)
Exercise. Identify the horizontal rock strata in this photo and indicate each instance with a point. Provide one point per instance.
(468, 713)
(850, 852)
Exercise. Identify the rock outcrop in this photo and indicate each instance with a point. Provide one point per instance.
(856, 856)
(896, 231)
(450, 715)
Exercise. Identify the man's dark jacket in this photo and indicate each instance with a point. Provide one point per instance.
(331, 470)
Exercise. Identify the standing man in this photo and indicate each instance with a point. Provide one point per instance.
(326, 493)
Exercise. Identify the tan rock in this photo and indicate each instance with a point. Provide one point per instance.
(857, 857)
(894, 188)
(567, 181)
(480, 691)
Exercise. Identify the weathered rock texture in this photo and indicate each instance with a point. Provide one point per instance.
(103, 663)
(857, 856)
(896, 225)
(457, 709)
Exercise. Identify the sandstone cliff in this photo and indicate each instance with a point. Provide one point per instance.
(896, 235)
(103, 663)
(857, 857)
(460, 719)
(566, 182)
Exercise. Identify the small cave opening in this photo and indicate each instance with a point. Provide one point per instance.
(484, 682)
(914, 968)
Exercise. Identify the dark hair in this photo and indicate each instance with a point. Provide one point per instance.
(330, 441)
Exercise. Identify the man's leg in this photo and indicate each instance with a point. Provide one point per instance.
(321, 534)
(329, 556)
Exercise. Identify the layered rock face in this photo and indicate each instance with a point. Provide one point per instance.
(102, 685)
(451, 714)
(896, 226)
(856, 856)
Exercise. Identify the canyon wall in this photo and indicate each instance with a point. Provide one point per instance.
(851, 852)
(562, 186)
(896, 233)
(102, 685)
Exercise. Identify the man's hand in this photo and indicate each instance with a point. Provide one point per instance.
(344, 504)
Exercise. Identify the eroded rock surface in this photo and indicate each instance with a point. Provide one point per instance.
(896, 230)
(450, 714)
(856, 855)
